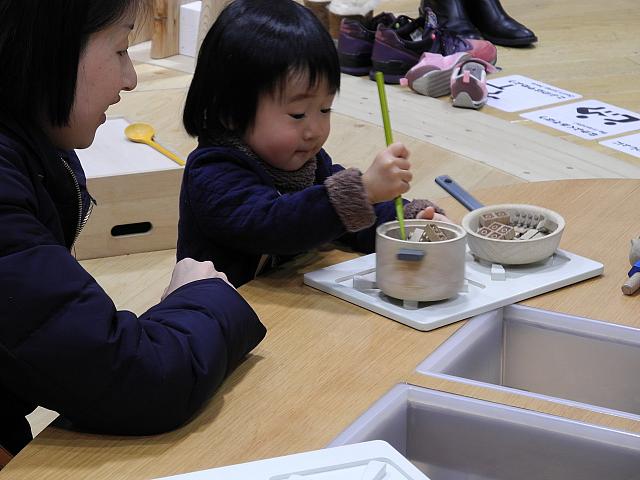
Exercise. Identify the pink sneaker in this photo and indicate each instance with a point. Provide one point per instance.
(469, 83)
(431, 76)
(484, 50)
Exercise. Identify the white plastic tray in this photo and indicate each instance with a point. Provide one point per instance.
(483, 294)
(374, 460)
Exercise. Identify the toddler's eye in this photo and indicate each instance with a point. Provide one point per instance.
(122, 53)
(326, 110)
(297, 116)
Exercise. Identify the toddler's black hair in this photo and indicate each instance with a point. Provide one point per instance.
(250, 50)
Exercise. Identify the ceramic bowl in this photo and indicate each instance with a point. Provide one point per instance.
(512, 252)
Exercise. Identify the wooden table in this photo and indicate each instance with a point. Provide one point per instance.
(324, 361)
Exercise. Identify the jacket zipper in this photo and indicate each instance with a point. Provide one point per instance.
(81, 222)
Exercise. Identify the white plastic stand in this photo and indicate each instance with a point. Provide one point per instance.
(517, 283)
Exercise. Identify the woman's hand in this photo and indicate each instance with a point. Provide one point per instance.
(189, 270)
(388, 176)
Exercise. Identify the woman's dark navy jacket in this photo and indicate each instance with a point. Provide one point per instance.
(63, 344)
(232, 213)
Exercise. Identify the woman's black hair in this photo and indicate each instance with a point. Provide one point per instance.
(40, 46)
(250, 50)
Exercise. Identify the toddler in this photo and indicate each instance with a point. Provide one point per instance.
(259, 188)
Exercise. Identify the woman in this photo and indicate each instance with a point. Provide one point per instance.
(63, 345)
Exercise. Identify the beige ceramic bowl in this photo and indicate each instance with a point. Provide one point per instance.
(512, 252)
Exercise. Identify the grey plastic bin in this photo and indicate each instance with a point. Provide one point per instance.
(534, 352)
(449, 437)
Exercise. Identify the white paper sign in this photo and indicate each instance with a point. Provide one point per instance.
(629, 145)
(515, 92)
(589, 119)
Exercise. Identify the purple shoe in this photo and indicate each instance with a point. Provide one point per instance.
(396, 50)
(355, 42)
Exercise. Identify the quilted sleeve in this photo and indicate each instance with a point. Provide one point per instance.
(65, 346)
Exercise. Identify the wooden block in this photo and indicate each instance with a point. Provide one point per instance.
(502, 217)
(528, 220)
(165, 38)
(433, 233)
(499, 216)
(524, 219)
(484, 231)
(487, 219)
(506, 232)
(529, 234)
(416, 235)
(546, 226)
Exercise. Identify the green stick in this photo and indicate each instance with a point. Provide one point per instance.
(388, 136)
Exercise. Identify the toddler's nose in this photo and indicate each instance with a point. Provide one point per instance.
(312, 131)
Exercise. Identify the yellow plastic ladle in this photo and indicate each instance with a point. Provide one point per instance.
(143, 133)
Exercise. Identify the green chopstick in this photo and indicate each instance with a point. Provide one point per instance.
(388, 136)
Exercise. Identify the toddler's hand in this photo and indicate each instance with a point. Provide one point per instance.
(189, 270)
(388, 176)
(429, 213)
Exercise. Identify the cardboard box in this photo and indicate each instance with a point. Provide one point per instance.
(137, 192)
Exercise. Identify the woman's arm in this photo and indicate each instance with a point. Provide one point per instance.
(65, 346)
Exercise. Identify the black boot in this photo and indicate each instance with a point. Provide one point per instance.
(452, 16)
(496, 25)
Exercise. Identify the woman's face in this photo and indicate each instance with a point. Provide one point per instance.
(104, 70)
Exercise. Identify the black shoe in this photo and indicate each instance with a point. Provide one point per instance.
(496, 25)
(452, 16)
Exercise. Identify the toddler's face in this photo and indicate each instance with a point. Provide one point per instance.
(290, 128)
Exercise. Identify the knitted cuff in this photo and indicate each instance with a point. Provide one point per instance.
(414, 207)
(347, 195)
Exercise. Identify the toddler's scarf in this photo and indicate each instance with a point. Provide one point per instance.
(285, 181)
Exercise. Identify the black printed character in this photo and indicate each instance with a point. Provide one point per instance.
(498, 90)
(586, 111)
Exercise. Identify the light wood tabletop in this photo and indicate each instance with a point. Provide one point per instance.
(325, 361)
